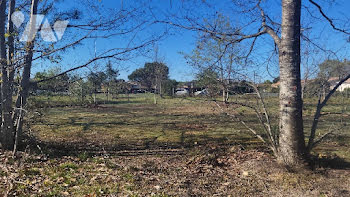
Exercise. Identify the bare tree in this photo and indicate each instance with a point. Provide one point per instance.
(6, 126)
(286, 35)
(17, 57)
(217, 55)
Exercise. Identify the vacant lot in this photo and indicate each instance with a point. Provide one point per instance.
(177, 147)
(136, 123)
(173, 123)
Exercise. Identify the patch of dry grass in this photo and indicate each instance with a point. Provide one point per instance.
(179, 147)
(179, 122)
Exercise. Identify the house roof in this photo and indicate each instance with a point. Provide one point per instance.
(336, 80)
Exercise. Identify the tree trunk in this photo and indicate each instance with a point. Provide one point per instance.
(6, 101)
(160, 90)
(82, 93)
(11, 69)
(223, 95)
(291, 140)
(107, 94)
(154, 96)
(22, 97)
(11, 45)
(95, 98)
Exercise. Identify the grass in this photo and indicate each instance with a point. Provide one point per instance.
(217, 156)
(179, 122)
(172, 121)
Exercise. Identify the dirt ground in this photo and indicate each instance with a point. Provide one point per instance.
(201, 171)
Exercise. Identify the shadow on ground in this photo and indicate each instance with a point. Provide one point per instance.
(148, 146)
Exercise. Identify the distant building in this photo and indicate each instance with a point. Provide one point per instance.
(136, 87)
(333, 81)
(188, 88)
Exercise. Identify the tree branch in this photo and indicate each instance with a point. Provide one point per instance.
(103, 56)
(218, 34)
(267, 28)
(317, 115)
(245, 124)
(330, 21)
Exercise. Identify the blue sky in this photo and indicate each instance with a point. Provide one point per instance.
(184, 41)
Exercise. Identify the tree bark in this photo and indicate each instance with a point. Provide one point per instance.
(23, 93)
(6, 100)
(291, 139)
(11, 67)
(11, 45)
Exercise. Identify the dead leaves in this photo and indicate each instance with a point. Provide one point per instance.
(201, 171)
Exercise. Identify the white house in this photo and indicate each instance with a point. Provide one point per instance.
(335, 80)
